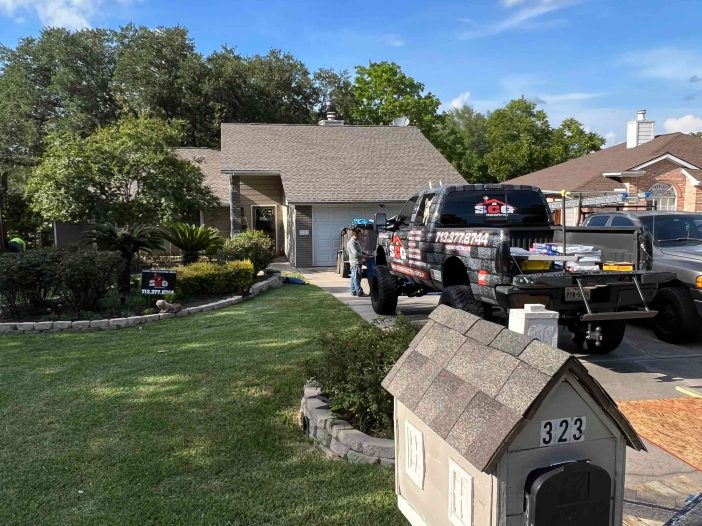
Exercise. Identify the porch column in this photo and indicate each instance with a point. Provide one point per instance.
(234, 204)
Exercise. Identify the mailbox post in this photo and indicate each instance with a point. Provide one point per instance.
(495, 428)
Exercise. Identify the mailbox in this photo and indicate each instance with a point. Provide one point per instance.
(494, 428)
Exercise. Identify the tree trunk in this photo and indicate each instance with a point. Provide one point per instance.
(125, 277)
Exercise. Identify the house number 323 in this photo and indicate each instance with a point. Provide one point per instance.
(562, 430)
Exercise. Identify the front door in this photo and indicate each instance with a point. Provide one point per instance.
(264, 220)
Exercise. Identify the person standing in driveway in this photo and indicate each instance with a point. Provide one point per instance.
(353, 247)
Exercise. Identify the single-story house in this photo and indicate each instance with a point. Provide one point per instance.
(303, 183)
(668, 166)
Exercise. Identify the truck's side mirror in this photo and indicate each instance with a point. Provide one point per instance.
(380, 221)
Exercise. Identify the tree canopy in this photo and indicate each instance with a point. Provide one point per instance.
(383, 92)
(123, 173)
(64, 96)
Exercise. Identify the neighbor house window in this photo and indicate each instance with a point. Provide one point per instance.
(664, 196)
(460, 509)
(414, 454)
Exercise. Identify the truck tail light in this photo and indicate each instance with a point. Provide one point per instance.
(698, 282)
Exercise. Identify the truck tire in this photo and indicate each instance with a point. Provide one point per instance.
(461, 297)
(383, 291)
(677, 320)
(612, 336)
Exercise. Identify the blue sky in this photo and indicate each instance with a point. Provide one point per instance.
(596, 60)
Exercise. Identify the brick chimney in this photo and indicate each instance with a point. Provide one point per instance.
(639, 131)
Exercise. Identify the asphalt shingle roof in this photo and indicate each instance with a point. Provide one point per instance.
(585, 173)
(208, 161)
(338, 163)
(476, 383)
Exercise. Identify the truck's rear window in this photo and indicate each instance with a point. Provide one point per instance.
(516, 207)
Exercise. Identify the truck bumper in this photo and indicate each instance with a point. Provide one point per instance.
(612, 294)
(697, 298)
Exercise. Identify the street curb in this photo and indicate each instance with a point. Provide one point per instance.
(119, 323)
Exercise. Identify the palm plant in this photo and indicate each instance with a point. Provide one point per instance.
(128, 240)
(192, 239)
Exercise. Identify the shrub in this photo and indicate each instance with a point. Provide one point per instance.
(351, 366)
(202, 278)
(253, 245)
(192, 239)
(86, 276)
(28, 281)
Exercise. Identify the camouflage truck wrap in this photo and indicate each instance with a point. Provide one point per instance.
(459, 240)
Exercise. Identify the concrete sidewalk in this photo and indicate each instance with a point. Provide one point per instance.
(657, 483)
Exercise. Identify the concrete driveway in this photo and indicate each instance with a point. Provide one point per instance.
(642, 368)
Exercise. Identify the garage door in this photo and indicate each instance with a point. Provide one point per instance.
(327, 222)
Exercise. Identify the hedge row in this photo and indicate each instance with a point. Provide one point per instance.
(204, 279)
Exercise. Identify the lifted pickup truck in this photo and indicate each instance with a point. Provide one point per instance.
(471, 242)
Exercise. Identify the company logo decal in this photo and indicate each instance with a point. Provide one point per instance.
(398, 250)
(491, 207)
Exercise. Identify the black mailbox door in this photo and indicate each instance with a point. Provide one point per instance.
(573, 494)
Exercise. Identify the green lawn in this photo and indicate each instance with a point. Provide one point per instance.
(186, 421)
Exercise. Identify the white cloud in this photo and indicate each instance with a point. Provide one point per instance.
(71, 14)
(666, 63)
(610, 138)
(394, 40)
(522, 12)
(569, 97)
(685, 124)
(461, 100)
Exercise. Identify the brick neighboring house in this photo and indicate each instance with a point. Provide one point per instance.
(669, 166)
(303, 183)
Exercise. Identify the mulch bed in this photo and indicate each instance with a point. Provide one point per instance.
(675, 425)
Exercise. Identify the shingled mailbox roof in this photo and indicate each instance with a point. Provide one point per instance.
(476, 384)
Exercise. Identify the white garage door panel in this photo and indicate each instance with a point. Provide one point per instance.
(327, 222)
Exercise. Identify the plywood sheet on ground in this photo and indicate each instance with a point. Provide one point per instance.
(674, 425)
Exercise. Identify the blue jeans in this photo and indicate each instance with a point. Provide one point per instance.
(356, 279)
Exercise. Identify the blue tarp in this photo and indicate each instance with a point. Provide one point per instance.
(362, 222)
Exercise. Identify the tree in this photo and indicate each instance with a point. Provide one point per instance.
(570, 140)
(282, 88)
(519, 137)
(57, 82)
(128, 240)
(123, 173)
(159, 74)
(461, 136)
(335, 91)
(383, 92)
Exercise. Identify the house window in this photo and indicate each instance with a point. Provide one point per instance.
(664, 196)
(414, 454)
(460, 509)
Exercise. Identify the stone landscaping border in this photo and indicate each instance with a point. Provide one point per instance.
(336, 438)
(116, 323)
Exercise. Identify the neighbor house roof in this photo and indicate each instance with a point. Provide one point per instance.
(208, 161)
(337, 163)
(476, 383)
(585, 173)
